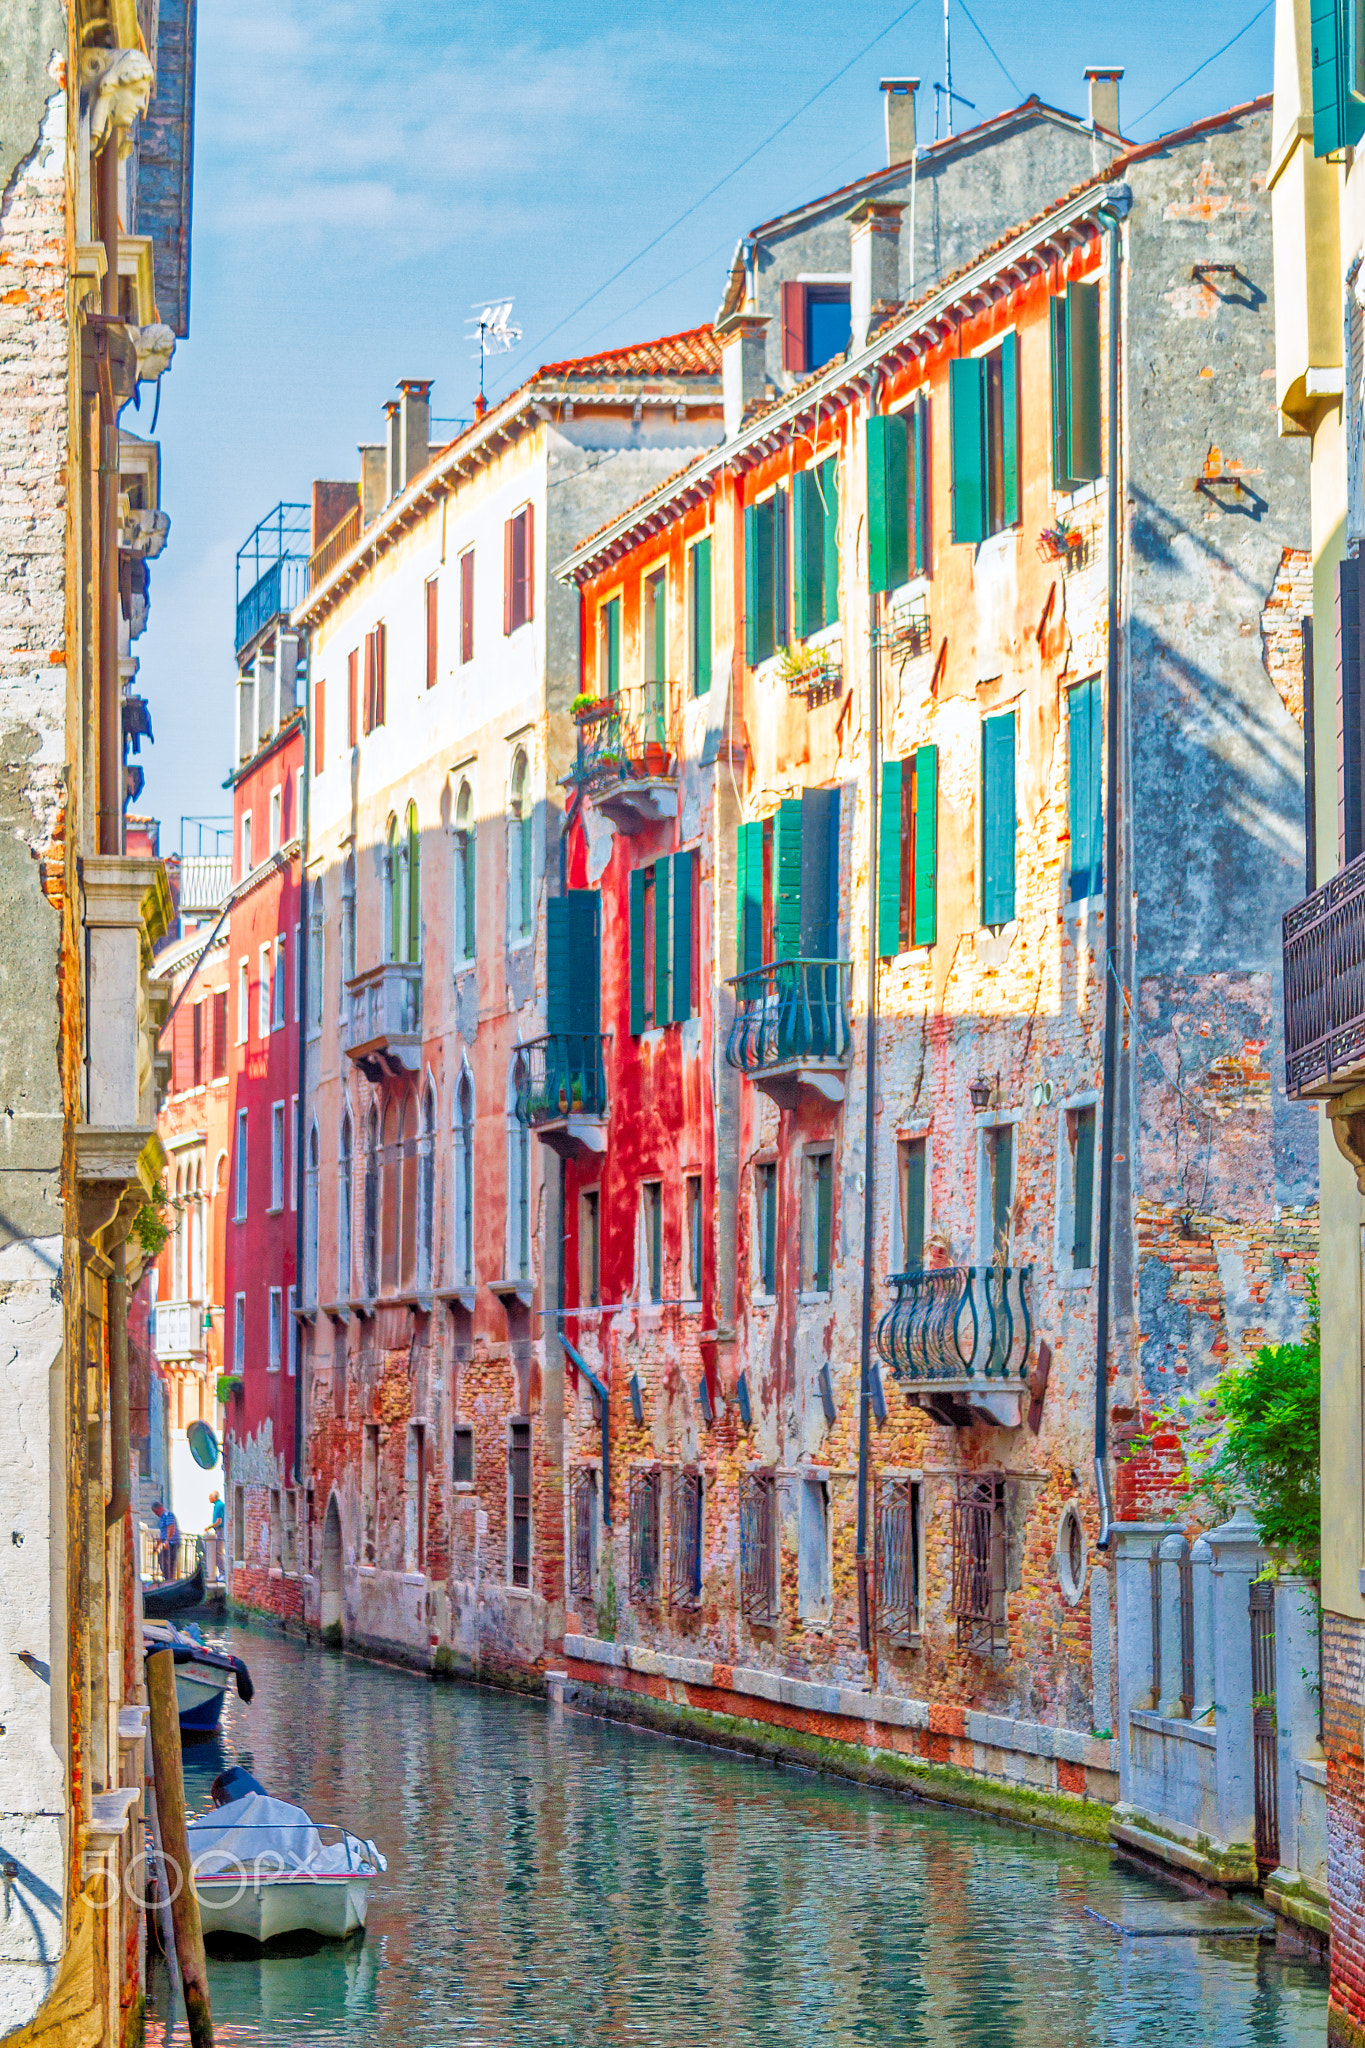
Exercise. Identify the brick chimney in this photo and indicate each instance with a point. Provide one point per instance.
(1103, 81)
(875, 250)
(414, 410)
(899, 107)
(743, 366)
(374, 463)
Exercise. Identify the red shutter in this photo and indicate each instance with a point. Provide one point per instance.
(182, 1049)
(431, 632)
(197, 1039)
(367, 709)
(352, 690)
(467, 605)
(794, 328)
(319, 726)
(528, 553)
(380, 639)
(507, 575)
(220, 1035)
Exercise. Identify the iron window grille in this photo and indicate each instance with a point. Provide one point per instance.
(1187, 1635)
(758, 1546)
(684, 1554)
(1264, 1724)
(583, 1529)
(979, 1564)
(519, 1475)
(898, 1507)
(645, 1504)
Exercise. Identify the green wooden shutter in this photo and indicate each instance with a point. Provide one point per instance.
(1083, 381)
(572, 955)
(1061, 425)
(1329, 68)
(414, 886)
(684, 871)
(924, 931)
(1084, 1194)
(637, 951)
(967, 409)
(806, 606)
(701, 617)
(997, 819)
(659, 590)
(819, 933)
(781, 615)
(1078, 739)
(749, 892)
(751, 585)
(1096, 784)
(889, 863)
(1009, 426)
(663, 941)
(787, 880)
(829, 567)
(888, 561)
(920, 487)
(558, 964)
(613, 614)
(912, 1222)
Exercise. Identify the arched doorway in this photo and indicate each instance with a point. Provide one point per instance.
(331, 1566)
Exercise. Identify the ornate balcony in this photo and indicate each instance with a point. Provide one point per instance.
(791, 1028)
(562, 1091)
(627, 761)
(1324, 987)
(384, 1021)
(959, 1339)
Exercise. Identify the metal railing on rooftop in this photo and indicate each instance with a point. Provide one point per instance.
(284, 584)
(339, 542)
(789, 1010)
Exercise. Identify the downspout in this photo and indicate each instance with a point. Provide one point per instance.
(1112, 212)
(604, 1403)
(121, 1497)
(866, 1638)
(300, 1165)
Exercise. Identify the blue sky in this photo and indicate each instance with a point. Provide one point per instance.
(362, 174)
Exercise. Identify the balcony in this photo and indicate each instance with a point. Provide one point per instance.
(1324, 988)
(384, 1024)
(562, 1092)
(179, 1329)
(959, 1339)
(272, 570)
(627, 756)
(790, 1028)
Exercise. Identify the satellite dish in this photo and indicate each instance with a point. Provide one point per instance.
(203, 1445)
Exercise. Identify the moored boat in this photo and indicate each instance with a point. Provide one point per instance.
(263, 1871)
(202, 1675)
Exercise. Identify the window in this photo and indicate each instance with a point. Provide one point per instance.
(276, 812)
(685, 1540)
(583, 1533)
(264, 992)
(646, 1488)
(276, 1314)
(243, 1002)
(462, 1454)
(518, 570)
(692, 1211)
(984, 395)
(319, 726)
(699, 614)
(414, 1499)
(220, 1033)
(519, 1501)
(291, 1333)
(464, 1180)
(290, 1554)
(277, 1155)
(197, 1018)
(369, 1492)
(787, 883)
(310, 1218)
(239, 1334)
(652, 1213)
(246, 844)
(352, 696)
(467, 606)
(466, 897)
(277, 986)
(1085, 729)
(240, 1210)
(765, 578)
(376, 659)
(370, 1208)
(817, 1219)
(293, 1151)
(999, 1164)
(590, 1248)
(912, 1189)
(315, 957)
(345, 1164)
(758, 1547)
(1076, 387)
(347, 925)
(663, 942)
(899, 495)
(765, 1192)
(656, 656)
(815, 548)
(812, 1549)
(520, 852)
(238, 1522)
(898, 1558)
(412, 889)
(518, 1186)
(979, 1563)
(430, 598)
(276, 1529)
(1338, 76)
(907, 866)
(609, 648)
(426, 1188)
(816, 325)
(998, 826)
(1078, 1187)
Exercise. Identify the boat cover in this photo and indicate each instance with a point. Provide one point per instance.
(268, 1835)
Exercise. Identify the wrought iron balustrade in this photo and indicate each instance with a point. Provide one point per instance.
(559, 1076)
(1324, 986)
(284, 584)
(630, 736)
(788, 1012)
(958, 1323)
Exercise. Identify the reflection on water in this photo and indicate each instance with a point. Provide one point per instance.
(562, 1883)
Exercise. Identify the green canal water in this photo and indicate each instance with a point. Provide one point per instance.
(557, 1882)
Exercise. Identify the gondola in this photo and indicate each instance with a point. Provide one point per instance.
(173, 1596)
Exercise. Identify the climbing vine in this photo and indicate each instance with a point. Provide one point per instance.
(153, 1223)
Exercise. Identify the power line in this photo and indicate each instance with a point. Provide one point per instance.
(743, 164)
(1009, 75)
(1265, 9)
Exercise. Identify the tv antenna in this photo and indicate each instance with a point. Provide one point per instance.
(945, 92)
(495, 331)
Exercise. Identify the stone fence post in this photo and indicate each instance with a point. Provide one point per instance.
(1201, 1575)
(1237, 1559)
(1133, 1544)
(1173, 1553)
(1296, 1700)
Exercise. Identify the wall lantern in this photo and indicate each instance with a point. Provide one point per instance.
(980, 1092)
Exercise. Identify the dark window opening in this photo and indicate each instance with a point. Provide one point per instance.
(766, 1189)
(645, 1502)
(829, 324)
(519, 1472)
(462, 1460)
(685, 1529)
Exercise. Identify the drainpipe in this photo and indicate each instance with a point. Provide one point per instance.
(1113, 212)
(603, 1402)
(866, 1639)
(300, 1164)
(119, 1449)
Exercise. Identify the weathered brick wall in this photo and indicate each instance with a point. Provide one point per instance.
(1343, 1688)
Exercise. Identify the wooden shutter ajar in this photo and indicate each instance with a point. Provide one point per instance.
(889, 862)
(967, 407)
(637, 952)
(794, 328)
(924, 930)
(1009, 426)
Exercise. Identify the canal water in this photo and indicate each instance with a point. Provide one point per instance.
(559, 1882)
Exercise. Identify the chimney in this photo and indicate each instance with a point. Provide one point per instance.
(374, 460)
(875, 249)
(393, 451)
(900, 118)
(1103, 81)
(743, 366)
(414, 426)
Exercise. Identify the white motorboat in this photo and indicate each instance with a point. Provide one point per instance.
(263, 1870)
(202, 1674)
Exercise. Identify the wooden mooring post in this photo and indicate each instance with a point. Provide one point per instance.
(170, 1808)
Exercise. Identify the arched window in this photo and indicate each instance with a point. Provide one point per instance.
(465, 898)
(347, 926)
(179, 1278)
(426, 1187)
(198, 1214)
(388, 1198)
(518, 1183)
(393, 893)
(315, 959)
(463, 1204)
(407, 1197)
(371, 1218)
(520, 864)
(310, 1220)
(412, 889)
(344, 1186)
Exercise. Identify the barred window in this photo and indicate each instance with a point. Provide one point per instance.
(645, 1503)
(898, 1590)
(583, 1534)
(758, 1546)
(979, 1563)
(684, 1529)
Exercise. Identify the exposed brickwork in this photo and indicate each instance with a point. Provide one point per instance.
(1282, 628)
(1343, 1691)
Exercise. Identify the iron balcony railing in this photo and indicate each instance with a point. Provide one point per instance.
(1324, 986)
(284, 584)
(787, 1012)
(562, 1075)
(955, 1323)
(628, 736)
(339, 542)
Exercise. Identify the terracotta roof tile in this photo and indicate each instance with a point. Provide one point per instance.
(695, 353)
